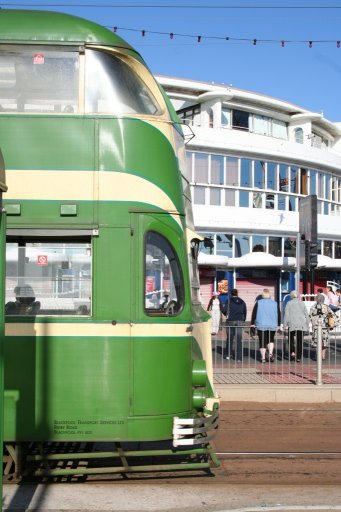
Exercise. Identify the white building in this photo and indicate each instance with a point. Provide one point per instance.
(251, 159)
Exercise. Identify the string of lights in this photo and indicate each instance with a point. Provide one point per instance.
(199, 38)
(253, 41)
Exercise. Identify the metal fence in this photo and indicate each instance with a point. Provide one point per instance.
(246, 366)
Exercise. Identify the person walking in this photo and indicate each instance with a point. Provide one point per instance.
(296, 319)
(319, 316)
(235, 319)
(214, 309)
(266, 317)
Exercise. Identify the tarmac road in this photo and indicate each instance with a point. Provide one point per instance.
(304, 473)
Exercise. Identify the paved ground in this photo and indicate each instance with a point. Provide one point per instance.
(282, 482)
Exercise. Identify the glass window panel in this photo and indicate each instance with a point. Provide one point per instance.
(320, 185)
(338, 250)
(38, 81)
(279, 129)
(292, 204)
(270, 201)
(326, 208)
(281, 202)
(217, 169)
(242, 245)
(271, 176)
(231, 171)
(312, 179)
(299, 138)
(112, 85)
(224, 244)
(294, 180)
(164, 290)
(259, 174)
(240, 119)
(245, 173)
(189, 161)
(200, 168)
(199, 195)
(275, 245)
(290, 247)
(226, 117)
(47, 278)
(230, 197)
(304, 181)
(327, 186)
(258, 243)
(215, 196)
(244, 199)
(257, 200)
(283, 178)
(328, 248)
(261, 125)
(207, 248)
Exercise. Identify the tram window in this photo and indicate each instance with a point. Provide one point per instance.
(111, 85)
(164, 293)
(46, 278)
(38, 79)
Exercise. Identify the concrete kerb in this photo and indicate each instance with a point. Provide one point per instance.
(303, 393)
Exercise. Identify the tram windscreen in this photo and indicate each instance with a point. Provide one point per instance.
(112, 86)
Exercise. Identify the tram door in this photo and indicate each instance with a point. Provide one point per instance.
(158, 250)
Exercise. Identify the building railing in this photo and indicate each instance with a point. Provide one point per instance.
(248, 368)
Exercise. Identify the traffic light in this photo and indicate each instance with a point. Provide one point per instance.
(311, 255)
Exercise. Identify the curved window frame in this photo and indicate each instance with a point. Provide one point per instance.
(142, 74)
(162, 301)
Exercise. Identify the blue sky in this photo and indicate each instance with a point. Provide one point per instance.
(308, 77)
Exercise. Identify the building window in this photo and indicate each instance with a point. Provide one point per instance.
(258, 243)
(245, 173)
(214, 196)
(328, 248)
(283, 178)
(244, 199)
(240, 120)
(281, 202)
(199, 195)
(275, 245)
(337, 250)
(312, 179)
(299, 138)
(271, 182)
(226, 117)
(261, 125)
(257, 200)
(242, 245)
(48, 278)
(279, 129)
(231, 171)
(200, 168)
(259, 174)
(230, 197)
(190, 115)
(217, 170)
(290, 247)
(224, 244)
(211, 118)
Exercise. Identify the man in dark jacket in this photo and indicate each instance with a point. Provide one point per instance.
(235, 319)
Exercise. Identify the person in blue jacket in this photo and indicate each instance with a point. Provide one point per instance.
(266, 317)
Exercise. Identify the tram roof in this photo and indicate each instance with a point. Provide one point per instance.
(30, 26)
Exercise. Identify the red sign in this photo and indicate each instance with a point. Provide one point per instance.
(42, 260)
(38, 58)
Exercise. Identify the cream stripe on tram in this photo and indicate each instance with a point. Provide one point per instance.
(97, 330)
(65, 186)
